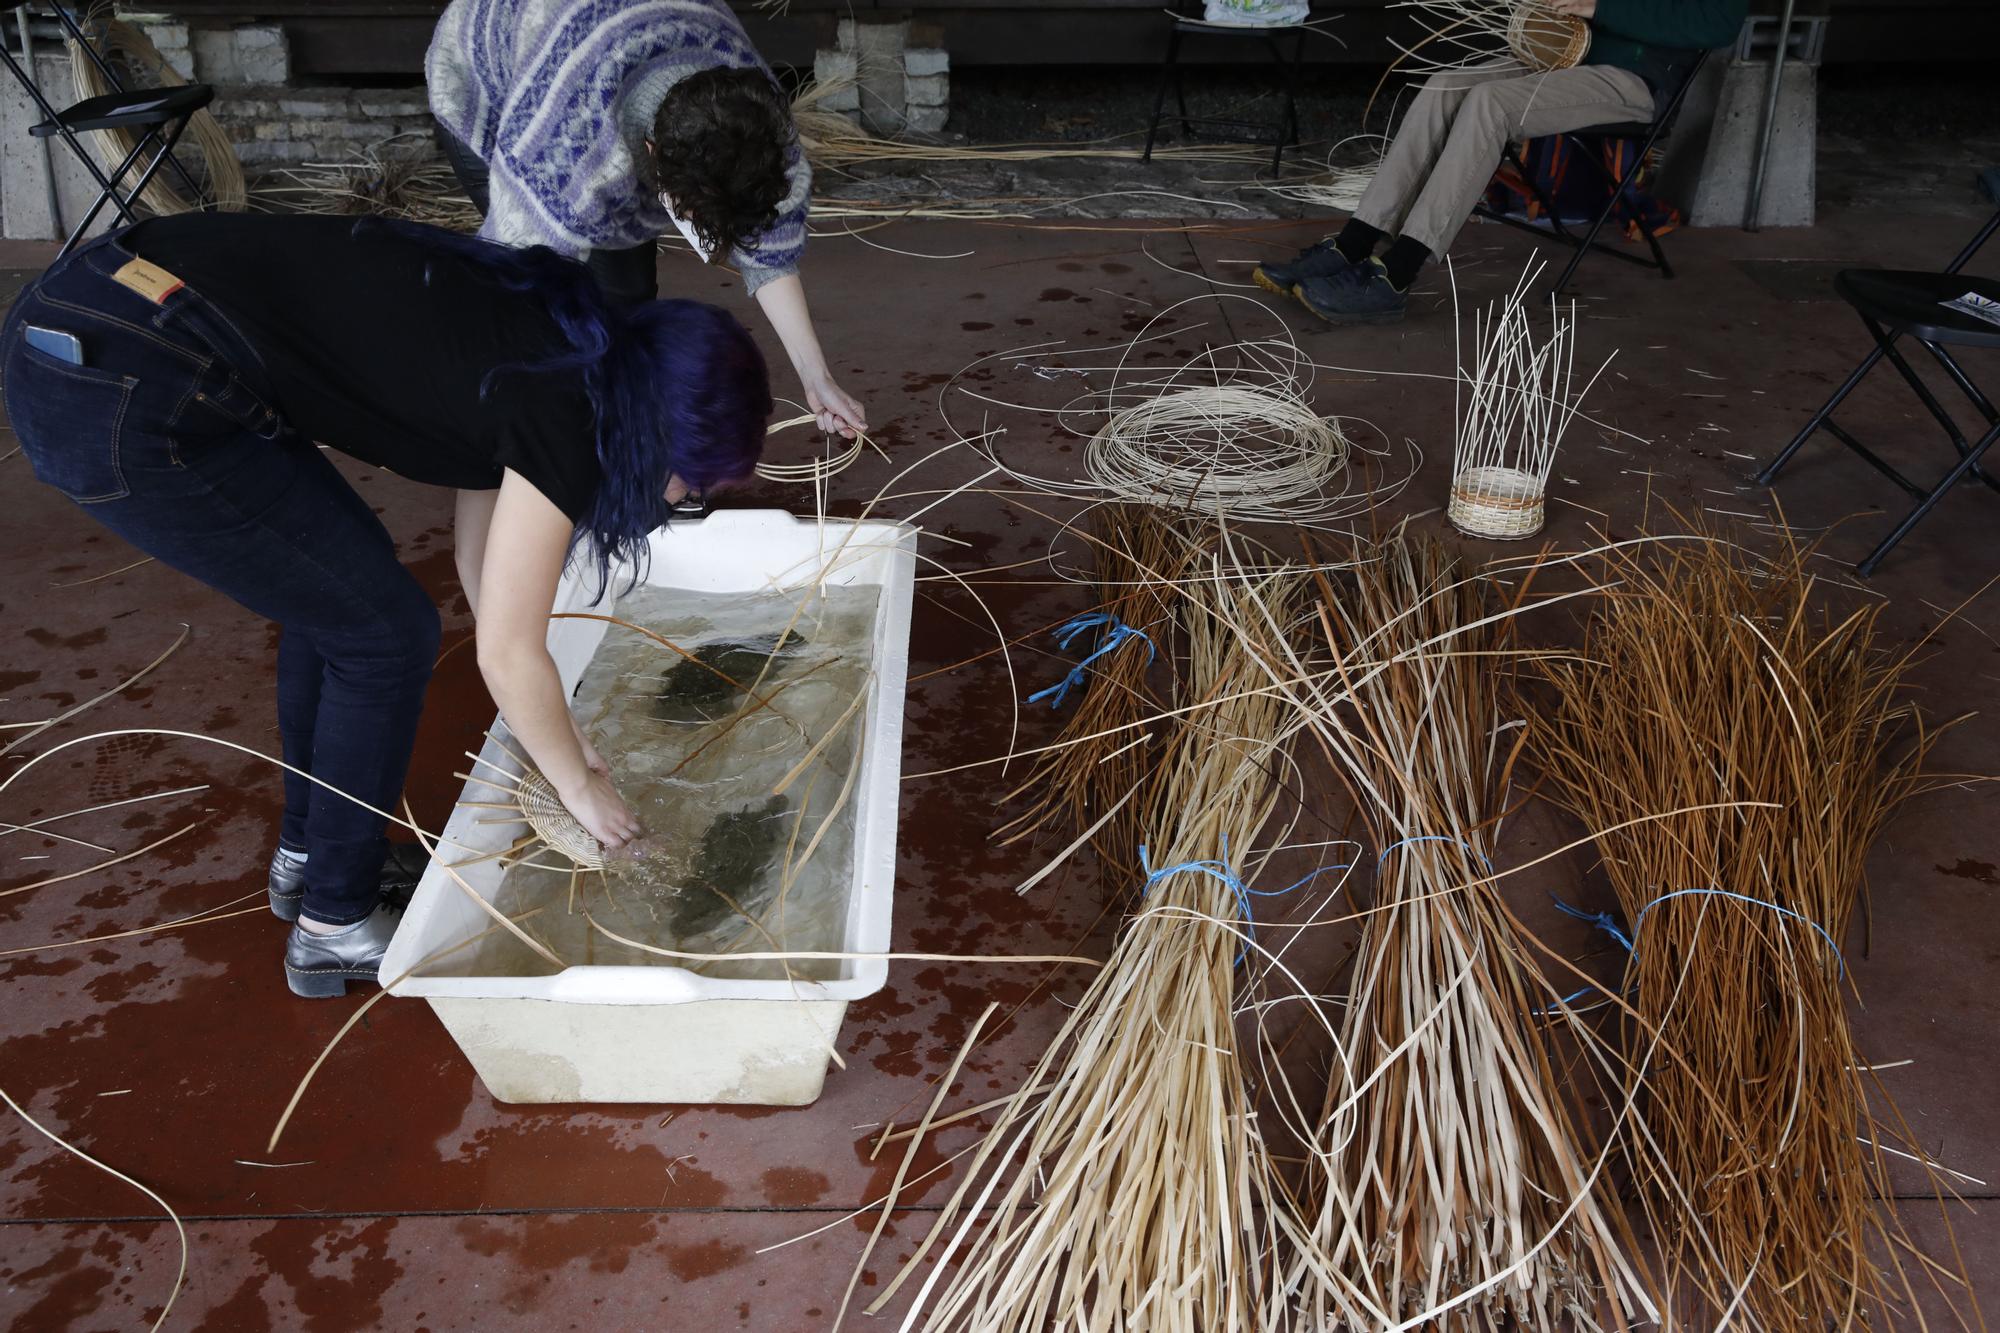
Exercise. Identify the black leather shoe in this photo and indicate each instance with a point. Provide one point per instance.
(401, 870)
(319, 967)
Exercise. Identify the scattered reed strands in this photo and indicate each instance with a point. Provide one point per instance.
(1129, 1186)
(1709, 676)
(1338, 185)
(1511, 407)
(126, 46)
(400, 177)
(180, 1276)
(1142, 558)
(1450, 1184)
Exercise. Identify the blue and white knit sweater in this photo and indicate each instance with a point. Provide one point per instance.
(557, 97)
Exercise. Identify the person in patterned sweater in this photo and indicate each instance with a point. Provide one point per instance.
(594, 128)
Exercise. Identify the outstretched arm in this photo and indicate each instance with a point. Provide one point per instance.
(469, 528)
(784, 302)
(521, 566)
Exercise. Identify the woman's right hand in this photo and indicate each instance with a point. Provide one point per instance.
(600, 809)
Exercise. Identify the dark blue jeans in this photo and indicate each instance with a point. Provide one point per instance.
(167, 436)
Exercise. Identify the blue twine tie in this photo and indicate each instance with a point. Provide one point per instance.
(1838, 957)
(1216, 870)
(1116, 632)
(1432, 837)
(1219, 870)
(1604, 921)
(1608, 923)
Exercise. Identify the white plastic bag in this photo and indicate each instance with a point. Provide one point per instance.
(1256, 13)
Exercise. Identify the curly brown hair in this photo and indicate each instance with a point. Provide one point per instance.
(718, 152)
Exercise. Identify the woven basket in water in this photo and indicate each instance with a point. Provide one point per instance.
(1543, 39)
(555, 825)
(1502, 503)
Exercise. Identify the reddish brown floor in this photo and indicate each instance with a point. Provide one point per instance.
(403, 1196)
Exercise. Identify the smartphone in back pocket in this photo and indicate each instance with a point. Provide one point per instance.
(54, 342)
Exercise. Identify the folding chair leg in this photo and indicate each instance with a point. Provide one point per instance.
(1617, 202)
(1160, 95)
(1966, 464)
(110, 195)
(1819, 418)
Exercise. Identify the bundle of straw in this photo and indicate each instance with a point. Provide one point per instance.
(1710, 684)
(1128, 1187)
(1092, 780)
(1451, 1184)
(400, 177)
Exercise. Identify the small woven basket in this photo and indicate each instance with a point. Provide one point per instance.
(1501, 503)
(555, 825)
(1543, 39)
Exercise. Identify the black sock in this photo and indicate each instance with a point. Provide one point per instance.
(1357, 240)
(1403, 258)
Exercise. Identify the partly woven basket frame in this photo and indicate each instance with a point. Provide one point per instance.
(555, 825)
(1500, 503)
(1543, 39)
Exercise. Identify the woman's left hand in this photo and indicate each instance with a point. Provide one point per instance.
(836, 409)
(1581, 9)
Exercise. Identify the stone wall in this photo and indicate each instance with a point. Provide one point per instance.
(273, 121)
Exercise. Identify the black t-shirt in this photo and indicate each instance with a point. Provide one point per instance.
(365, 353)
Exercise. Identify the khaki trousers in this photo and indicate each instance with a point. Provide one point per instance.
(1452, 138)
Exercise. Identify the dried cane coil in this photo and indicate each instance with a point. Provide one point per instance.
(1500, 503)
(127, 44)
(1542, 39)
(555, 825)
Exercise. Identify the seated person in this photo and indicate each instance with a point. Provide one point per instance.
(1461, 122)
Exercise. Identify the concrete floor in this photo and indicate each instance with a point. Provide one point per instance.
(403, 1196)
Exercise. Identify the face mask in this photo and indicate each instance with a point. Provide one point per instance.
(707, 252)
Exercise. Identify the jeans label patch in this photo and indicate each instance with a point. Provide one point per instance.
(149, 280)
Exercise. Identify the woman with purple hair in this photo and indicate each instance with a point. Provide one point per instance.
(174, 379)
(596, 128)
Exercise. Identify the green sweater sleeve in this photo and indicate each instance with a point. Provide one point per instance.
(1695, 25)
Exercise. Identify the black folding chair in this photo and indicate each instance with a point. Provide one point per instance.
(1280, 134)
(1589, 145)
(159, 115)
(1893, 304)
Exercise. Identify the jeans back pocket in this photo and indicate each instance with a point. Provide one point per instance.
(68, 419)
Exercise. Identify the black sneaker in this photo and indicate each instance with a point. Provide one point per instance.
(1362, 294)
(401, 870)
(1279, 277)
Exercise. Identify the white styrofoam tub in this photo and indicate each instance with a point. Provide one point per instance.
(662, 1033)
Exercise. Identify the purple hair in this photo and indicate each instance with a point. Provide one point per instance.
(676, 388)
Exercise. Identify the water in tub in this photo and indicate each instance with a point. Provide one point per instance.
(730, 863)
